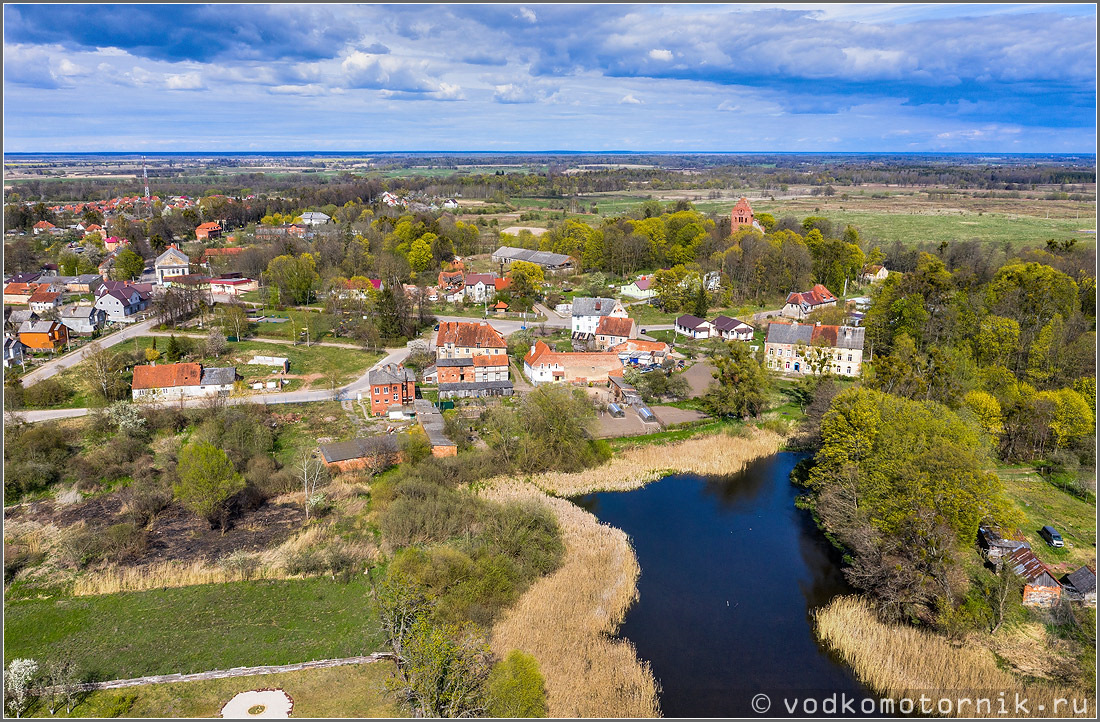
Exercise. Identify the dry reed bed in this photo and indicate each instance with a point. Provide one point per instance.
(716, 454)
(566, 620)
(900, 661)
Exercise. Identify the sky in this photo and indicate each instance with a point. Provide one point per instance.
(675, 78)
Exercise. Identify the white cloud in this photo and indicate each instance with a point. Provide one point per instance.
(449, 92)
(68, 69)
(729, 105)
(311, 89)
(513, 93)
(386, 72)
(629, 99)
(528, 15)
(661, 54)
(184, 81)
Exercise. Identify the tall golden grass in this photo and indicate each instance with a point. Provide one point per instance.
(716, 454)
(565, 620)
(900, 661)
(165, 574)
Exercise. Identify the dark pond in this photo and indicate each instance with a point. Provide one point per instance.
(730, 573)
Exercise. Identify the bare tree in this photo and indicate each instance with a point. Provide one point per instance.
(104, 371)
(215, 343)
(312, 473)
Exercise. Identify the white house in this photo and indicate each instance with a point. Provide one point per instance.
(313, 218)
(83, 319)
(478, 287)
(642, 288)
(14, 351)
(178, 381)
(732, 329)
(173, 262)
(120, 304)
(694, 327)
(873, 274)
(804, 349)
(587, 313)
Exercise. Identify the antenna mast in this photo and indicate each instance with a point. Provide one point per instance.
(145, 177)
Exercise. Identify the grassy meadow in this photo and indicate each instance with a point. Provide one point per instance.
(196, 628)
(1042, 503)
(351, 691)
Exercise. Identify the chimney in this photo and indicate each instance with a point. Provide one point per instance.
(818, 323)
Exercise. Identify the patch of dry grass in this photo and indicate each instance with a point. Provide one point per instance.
(900, 661)
(565, 620)
(716, 454)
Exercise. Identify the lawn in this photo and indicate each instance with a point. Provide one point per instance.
(319, 423)
(351, 691)
(1042, 503)
(196, 628)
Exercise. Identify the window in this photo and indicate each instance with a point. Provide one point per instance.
(849, 370)
(849, 357)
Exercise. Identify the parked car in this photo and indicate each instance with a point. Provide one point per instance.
(1053, 538)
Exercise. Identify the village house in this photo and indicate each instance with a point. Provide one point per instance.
(313, 219)
(587, 313)
(208, 231)
(82, 319)
(640, 288)
(732, 329)
(873, 274)
(373, 452)
(550, 262)
(742, 216)
(473, 377)
(44, 301)
(612, 331)
(14, 351)
(114, 243)
(478, 287)
(391, 385)
(694, 327)
(84, 283)
(544, 365)
(19, 292)
(18, 317)
(121, 304)
(46, 227)
(43, 335)
(801, 305)
(462, 339)
(451, 285)
(171, 264)
(813, 349)
(29, 276)
(232, 286)
(1041, 589)
(179, 381)
(995, 547)
(1080, 586)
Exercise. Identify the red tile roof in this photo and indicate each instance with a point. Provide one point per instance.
(463, 334)
(815, 297)
(41, 296)
(167, 376)
(21, 289)
(498, 359)
(609, 326)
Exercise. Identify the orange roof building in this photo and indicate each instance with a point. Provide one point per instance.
(460, 339)
(544, 365)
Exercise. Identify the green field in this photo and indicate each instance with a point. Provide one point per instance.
(197, 628)
(1041, 503)
(352, 691)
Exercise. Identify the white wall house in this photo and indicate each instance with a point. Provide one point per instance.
(170, 264)
(587, 313)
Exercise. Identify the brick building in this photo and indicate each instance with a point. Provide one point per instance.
(391, 385)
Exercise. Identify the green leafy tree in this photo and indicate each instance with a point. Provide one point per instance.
(420, 254)
(1073, 417)
(527, 279)
(985, 406)
(516, 687)
(295, 277)
(443, 670)
(742, 383)
(128, 264)
(207, 482)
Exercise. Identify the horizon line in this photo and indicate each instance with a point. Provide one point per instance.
(551, 152)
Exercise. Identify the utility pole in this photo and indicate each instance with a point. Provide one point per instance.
(145, 178)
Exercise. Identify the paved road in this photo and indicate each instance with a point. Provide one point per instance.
(51, 368)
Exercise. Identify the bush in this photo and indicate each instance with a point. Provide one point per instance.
(80, 545)
(307, 562)
(123, 541)
(423, 512)
(48, 392)
(167, 418)
(516, 687)
(144, 499)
